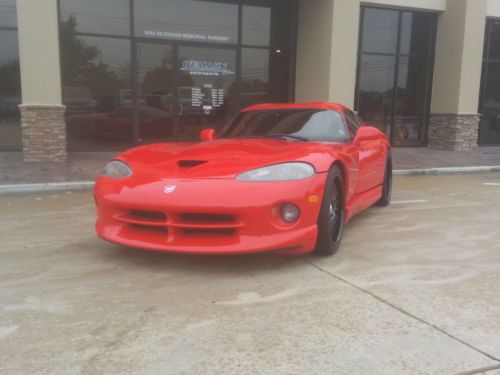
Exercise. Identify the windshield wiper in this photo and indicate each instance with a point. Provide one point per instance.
(296, 137)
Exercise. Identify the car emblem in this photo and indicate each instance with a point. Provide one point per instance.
(169, 189)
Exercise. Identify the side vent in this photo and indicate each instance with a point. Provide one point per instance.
(190, 163)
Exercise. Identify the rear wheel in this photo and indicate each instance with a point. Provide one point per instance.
(332, 214)
(385, 199)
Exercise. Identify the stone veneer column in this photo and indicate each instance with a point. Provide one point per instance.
(453, 132)
(43, 133)
(453, 123)
(42, 112)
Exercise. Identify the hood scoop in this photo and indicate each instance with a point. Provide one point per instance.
(190, 163)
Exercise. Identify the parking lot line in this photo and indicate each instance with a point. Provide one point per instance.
(414, 201)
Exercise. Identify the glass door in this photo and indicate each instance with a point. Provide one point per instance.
(182, 90)
(206, 89)
(154, 112)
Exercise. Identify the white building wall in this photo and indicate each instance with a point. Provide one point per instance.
(39, 52)
(493, 8)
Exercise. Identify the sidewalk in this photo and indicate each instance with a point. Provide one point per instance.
(84, 166)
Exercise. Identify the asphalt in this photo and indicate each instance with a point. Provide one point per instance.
(413, 290)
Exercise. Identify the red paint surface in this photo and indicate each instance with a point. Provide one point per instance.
(211, 212)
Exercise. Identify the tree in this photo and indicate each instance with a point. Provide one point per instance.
(81, 63)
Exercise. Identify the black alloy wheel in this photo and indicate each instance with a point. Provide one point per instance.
(332, 214)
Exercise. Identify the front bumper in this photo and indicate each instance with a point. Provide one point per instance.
(208, 216)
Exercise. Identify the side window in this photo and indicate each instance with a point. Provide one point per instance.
(352, 123)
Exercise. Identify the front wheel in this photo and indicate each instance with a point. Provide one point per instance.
(385, 199)
(332, 214)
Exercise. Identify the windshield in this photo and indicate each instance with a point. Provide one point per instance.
(316, 125)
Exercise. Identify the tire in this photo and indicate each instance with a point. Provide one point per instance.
(385, 199)
(331, 218)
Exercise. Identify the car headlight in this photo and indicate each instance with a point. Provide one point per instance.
(279, 172)
(116, 169)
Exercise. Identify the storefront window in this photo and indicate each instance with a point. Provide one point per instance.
(97, 92)
(416, 36)
(188, 65)
(256, 25)
(380, 30)
(10, 79)
(8, 17)
(394, 72)
(376, 79)
(254, 76)
(187, 20)
(489, 101)
(97, 16)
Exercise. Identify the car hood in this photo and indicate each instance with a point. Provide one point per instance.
(221, 158)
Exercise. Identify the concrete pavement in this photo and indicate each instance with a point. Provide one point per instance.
(413, 290)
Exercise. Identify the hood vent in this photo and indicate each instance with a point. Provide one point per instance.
(190, 163)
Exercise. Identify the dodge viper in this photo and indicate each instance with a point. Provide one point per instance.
(282, 178)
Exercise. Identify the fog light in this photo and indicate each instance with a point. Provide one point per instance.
(290, 212)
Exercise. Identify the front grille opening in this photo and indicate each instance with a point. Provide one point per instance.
(148, 215)
(190, 163)
(147, 228)
(208, 218)
(221, 231)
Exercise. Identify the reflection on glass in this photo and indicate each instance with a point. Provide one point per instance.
(410, 99)
(416, 29)
(10, 92)
(380, 30)
(494, 40)
(97, 16)
(96, 90)
(489, 128)
(254, 76)
(376, 85)
(283, 24)
(173, 99)
(314, 125)
(281, 69)
(256, 25)
(206, 97)
(188, 20)
(8, 17)
(155, 92)
(397, 105)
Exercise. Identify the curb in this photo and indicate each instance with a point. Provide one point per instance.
(87, 185)
(446, 170)
(46, 187)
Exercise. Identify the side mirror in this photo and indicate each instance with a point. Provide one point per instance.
(207, 134)
(366, 133)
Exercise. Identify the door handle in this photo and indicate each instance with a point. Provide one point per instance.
(180, 111)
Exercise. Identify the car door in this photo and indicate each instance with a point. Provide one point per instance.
(371, 170)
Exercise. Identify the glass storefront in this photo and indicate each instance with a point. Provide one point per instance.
(489, 100)
(152, 70)
(395, 66)
(10, 79)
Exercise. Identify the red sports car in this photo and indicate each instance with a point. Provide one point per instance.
(280, 178)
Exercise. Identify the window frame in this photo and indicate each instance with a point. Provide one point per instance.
(429, 59)
(238, 46)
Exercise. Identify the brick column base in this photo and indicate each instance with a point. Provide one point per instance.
(453, 132)
(43, 133)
